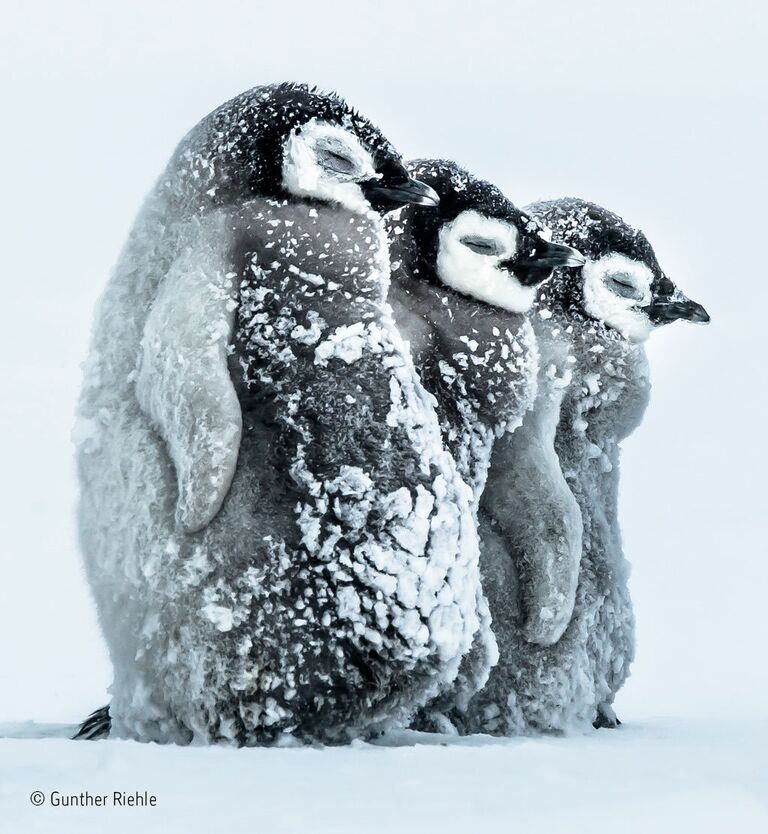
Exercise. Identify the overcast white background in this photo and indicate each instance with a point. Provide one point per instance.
(656, 110)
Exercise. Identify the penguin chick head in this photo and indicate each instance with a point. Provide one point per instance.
(621, 282)
(477, 242)
(327, 162)
(331, 153)
(290, 140)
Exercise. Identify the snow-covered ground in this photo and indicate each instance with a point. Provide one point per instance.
(656, 110)
(658, 775)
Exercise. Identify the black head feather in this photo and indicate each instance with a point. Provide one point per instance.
(597, 232)
(237, 150)
(458, 191)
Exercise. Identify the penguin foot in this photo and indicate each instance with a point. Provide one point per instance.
(606, 718)
(97, 725)
(432, 721)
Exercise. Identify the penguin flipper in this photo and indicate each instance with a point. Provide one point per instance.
(526, 482)
(97, 725)
(183, 382)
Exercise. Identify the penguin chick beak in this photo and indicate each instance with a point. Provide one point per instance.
(386, 196)
(555, 254)
(667, 309)
(537, 264)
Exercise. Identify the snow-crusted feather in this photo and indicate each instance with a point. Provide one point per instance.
(332, 588)
(479, 361)
(592, 394)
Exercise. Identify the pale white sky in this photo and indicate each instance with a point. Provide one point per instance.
(657, 110)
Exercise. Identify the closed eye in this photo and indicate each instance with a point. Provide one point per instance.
(622, 285)
(335, 161)
(483, 246)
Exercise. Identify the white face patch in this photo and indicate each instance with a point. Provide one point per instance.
(326, 162)
(615, 286)
(470, 248)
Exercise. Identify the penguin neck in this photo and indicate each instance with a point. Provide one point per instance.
(306, 272)
(606, 397)
(563, 296)
(457, 318)
(478, 361)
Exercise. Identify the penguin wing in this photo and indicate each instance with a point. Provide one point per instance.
(529, 500)
(183, 382)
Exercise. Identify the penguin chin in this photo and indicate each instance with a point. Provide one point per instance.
(484, 281)
(633, 325)
(303, 176)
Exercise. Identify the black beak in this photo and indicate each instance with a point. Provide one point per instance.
(537, 264)
(666, 309)
(554, 254)
(384, 196)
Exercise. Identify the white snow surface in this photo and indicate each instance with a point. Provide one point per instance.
(655, 110)
(659, 775)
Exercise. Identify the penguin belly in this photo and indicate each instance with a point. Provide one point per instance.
(565, 686)
(335, 591)
(544, 688)
(611, 401)
(531, 547)
(480, 365)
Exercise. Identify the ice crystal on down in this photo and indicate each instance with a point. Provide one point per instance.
(276, 537)
(478, 360)
(594, 397)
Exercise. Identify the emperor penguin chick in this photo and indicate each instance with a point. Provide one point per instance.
(463, 277)
(276, 538)
(590, 323)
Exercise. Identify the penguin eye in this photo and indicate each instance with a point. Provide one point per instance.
(336, 162)
(481, 245)
(621, 284)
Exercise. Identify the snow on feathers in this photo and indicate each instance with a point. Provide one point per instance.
(276, 538)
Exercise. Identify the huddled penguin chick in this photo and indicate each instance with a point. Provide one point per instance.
(277, 540)
(590, 323)
(463, 277)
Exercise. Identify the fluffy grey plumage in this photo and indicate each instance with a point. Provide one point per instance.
(594, 387)
(477, 359)
(275, 536)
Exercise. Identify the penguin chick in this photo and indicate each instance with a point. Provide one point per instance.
(463, 277)
(590, 323)
(276, 539)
